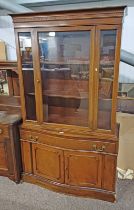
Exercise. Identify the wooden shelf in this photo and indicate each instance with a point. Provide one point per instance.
(65, 115)
(63, 94)
(63, 62)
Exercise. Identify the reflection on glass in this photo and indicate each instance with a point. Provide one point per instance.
(3, 83)
(126, 89)
(64, 61)
(28, 74)
(106, 74)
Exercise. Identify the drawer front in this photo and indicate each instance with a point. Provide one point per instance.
(68, 143)
(3, 132)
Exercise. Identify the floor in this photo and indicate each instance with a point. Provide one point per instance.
(30, 197)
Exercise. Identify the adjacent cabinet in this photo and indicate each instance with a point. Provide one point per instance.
(68, 68)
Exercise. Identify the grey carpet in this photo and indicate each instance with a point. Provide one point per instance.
(30, 197)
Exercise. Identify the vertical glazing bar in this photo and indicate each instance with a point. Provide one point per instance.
(37, 77)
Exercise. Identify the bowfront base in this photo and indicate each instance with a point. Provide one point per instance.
(70, 190)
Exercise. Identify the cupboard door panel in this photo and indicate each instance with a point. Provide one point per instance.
(48, 162)
(83, 169)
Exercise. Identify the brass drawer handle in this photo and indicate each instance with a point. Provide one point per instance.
(102, 149)
(36, 138)
(1, 131)
(33, 139)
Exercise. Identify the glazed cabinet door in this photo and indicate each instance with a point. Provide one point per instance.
(66, 75)
(83, 169)
(106, 76)
(48, 162)
(27, 73)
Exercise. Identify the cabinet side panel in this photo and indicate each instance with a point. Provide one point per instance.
(109, 173)
(26, 157)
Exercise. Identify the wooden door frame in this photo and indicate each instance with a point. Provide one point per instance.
(38, 71)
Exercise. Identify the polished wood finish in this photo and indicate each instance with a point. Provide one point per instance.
(61, 149)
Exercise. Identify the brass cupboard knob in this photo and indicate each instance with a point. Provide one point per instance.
(38, 81)
(61, 132)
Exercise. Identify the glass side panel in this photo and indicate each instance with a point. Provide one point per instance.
(28, 74)
(64, 61)
(106, 74)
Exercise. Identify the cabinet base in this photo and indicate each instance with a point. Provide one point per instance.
(70, 190)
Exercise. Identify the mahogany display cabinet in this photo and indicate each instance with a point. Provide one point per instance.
(68, 65)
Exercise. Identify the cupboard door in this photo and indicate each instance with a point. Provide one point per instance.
(48, 162)
(83, 169)
(65, 63)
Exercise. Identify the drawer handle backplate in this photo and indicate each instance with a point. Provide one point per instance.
(35, 139)
(102, 149)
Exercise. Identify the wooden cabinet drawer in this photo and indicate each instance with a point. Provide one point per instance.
(70, 143)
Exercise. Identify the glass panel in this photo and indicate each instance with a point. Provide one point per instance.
(106, 74)
(28, 74)
(64, 60)
(126, 89)
(4, 90)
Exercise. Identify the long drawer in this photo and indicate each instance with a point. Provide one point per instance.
(70, 143)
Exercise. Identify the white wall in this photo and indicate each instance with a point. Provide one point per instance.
(7, 35)
(127, 72)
